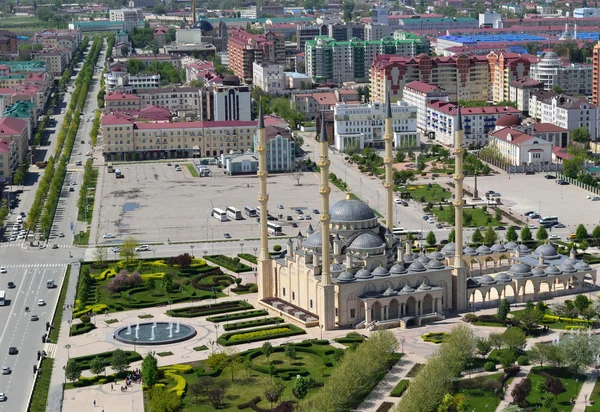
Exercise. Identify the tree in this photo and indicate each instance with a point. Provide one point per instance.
(452, 236)
(119, 361)
(526, 234)
(216, 394)
(520, 392)
(216, 361)
(233, 360)
(503, 309)
(596, 233)
(163, 400)
(506, 358)
(583, 245)
(72, 370)
(149, 370)
(348, 8)
(490, 237)
(97, 366)
(431, 240)
(529, 320)
(579, 350)
(538, 354)
(196, 388)
(100, 257)
(273, 392)
(542, 234)
(581, 302)
(128, 247)
(302, 385)
(496, 340)
(483, 346)
(581, 233)
(267, 350)
(290, 351)
(514, 338)
(124, 50)
(477, 236)
(555, 387)
(558, 89)
(580, 135)
(511, 234)
(159, 10)
(297, 172)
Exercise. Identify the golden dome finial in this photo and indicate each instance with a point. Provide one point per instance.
(348, 194)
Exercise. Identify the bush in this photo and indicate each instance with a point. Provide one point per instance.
(573, 327)
(123, 281)
(489, 366)
(277, 248)
(180, 383)
(237, 315)
(252, 323)
(234, 338)
(84, 361)
(399, 388)
(434, 337)
(228, 263)
(81, 328)
(250, 258)
(222, 307)
(523, 360)
(471, 318)
(84, 319)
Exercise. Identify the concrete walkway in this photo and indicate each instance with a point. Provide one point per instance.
(508, 399)
(585, 393)
(82, 399)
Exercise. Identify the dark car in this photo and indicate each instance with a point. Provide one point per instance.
(294, 224)
(13, 350)
(444, 242)
(516, 227)
(11, 285)
(316, 211)
(562, 182)
(529, 173)
(500, 228)
(227, 235)
(549, 177)
(272, 218)
(290, 218)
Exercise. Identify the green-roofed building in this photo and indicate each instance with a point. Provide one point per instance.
(24, 66)
(438, 23)
(99, 25)
(328, 60)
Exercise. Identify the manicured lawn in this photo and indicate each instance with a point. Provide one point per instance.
(192, 170)
(55, 331)
(40, 393)
(82, 240)
(595, 398)
(433, 194)
(480, 399)
(229, 263)
(479, 217)
(536, 399)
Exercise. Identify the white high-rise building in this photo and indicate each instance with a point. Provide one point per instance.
(232, 103)
(573, 79)
(130, 18)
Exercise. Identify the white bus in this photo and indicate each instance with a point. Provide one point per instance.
(274, 229)
(250, 211)
(549, 220)
(403, 233)
(219, 214)
(257, 211)
(2, 298)
(233, 213)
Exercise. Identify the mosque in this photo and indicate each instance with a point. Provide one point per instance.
(354, 273)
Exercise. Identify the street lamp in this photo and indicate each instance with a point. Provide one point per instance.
(321, 326)
(217, 332)
(67, 347)
(402, 343)
(192, 247)
(241, 247)
(255, 249)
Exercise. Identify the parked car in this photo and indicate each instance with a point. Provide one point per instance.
(226, 235)
(532, 226)
(294, 224)
(116, 249)
(279, 206)
(531, 212)
(316, 211)
(142, 248)
(549, 177)
(108, 236)
(560, 226)
(562, 182)
(529, 172)
(500, 228)
(398, 201)
(554, 237)
(438, 225)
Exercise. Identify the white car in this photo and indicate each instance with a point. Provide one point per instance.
(108, 236)
(142, 248)
(532, 226)
(397, 201)
(20, 237)
(116, 249)
(554, 237)
(41, 302)
(595, 198)
(2, 397)
(3, 269)
(5, 370)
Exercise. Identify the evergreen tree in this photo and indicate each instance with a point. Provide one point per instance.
(511, 234)
(503, 309)
(431, 240)
(477, 237)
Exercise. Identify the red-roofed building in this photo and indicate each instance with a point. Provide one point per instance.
(121, 101)
(9, 157)
(477, 122)
(314, 102)
(560, 154)
(123, 134)
(16, 130)
(244, 49)
(419, 94)
(519, 148)
(504, 68)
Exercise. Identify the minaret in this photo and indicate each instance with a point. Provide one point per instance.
(265, 264)
(459, 271)
(388, 184)
(193, 13)
(326, 288)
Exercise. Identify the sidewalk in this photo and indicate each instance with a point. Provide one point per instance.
(507, 394)
(585, 393)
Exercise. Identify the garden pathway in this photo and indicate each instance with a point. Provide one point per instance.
(586, 391)
(507, 394)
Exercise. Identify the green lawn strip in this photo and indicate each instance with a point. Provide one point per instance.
(350, 338)
(256, 335)
(479, 217)
(192, 169)
(80, 240)
(96, 380)
(595, 398)
(55, 331)
(205, 310)
(252, 323)
(536, 399)
(478, 399)
(228, 263)
(82, 215)
(399, 388)
(84, 361)
(560, 323)
(247, 256)
(42, 386)
(236, 316)
(433, 194)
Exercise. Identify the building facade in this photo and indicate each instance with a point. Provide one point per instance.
(268, 76)
(281, 150)
(573, 79)
(419, 94)
(231, 103)
(504, 68)
(127, 82)
(596, 74)
(244, 49)
(130, 18)
(15, 130)
(519, 148)
(520, 91)
(9, 158)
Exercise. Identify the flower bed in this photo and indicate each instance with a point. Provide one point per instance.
(252, 323)
(274, 332)
(229, 263)
(236, 316)
(223, 307)
(435, 337)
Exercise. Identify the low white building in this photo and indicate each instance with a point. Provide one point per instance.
(418, 94)
(127, 82)
(519, 148)
(268, 76)
(362, 125)
(477, 122)
(295, 80)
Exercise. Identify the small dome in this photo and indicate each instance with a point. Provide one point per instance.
(436, 255)
(485, 280)
(538, 272)
(390, 292)
(483, 250)
(423, 259)
(567, 268)
(397, 270)
(469, 251)
(313, 241)
(423, 287)
(547, 251)
(417, 267)
(581, 265)
(520, 269)
(502, 277)
(366, 240)
(571, 261)
(449, 248)
(381, 271)
(346, 277)
(350, 210)
(511, 246)
(508, 120)
(407, 289)
(435, 264)
(524, 249)
(363, 274)
(203, 25)
(498, 247)
(408, 258)
(552, 270)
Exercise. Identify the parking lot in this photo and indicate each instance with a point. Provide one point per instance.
(156, 203)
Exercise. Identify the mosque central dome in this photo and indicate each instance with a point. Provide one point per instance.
(350, 210)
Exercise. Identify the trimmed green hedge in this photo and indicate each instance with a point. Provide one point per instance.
(248, 257)
(400, 388)
(228, 263)
(84, 361)
(81, 328)
(204, 310)
(236, 316)
(252, 323)
(350, 338)
(257, 335)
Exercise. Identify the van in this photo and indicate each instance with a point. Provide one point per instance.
(49, 283)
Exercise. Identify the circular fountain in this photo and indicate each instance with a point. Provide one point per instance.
(154, 333)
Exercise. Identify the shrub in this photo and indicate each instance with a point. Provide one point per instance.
(272, 332)
(277, 248)
(523, 360)
(572, 327)
(222, 307)
(84, 361)
(81, 328)
(471, 318)
(489, 366)
(399, 388)
(85, 319)
(254, 289)
(237, 315)
(229, 263)
(434, 337)
(180, 383)
(252, 323)
(177, 368)
(123, 281)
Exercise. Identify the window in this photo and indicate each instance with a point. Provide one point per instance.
(311, 304)
(293, 295)
(283, 291)
(352, 313)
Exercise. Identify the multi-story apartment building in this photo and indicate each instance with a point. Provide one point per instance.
(441, 24)
(419, 94)
(565, 111)
(130, 18)
(9, 157)
(328, 60)
(362, 125)
(573, 79)
(462, 77)
(231, 103)
(281, 151)
(306, 32)
(520, 91)
(24, 65)
(122, 137)
(182, 101)
(504, 68)
(314, 102)
(8, 43)
(346, 31)
(244, 49)
(596, 75)
(149, 61)
(268, 76)
(127, 82)
(56, 60)
(16, 130)
(477, 122)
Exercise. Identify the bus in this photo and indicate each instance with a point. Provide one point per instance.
(549, 220)
(257, 211)
(109, 168)
(219, 214)
(274, 229)
(2, 298)
(403, 233)
(233, 213)
(250, 211)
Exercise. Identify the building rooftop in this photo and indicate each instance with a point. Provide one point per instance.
(513, 136)
(421, 86)
(450, 108)
(11, 126)
(527, 83)
(547, 127)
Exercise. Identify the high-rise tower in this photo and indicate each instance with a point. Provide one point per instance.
(265, 264)
(459, 271)
(326, 289)
(388, 184)
(596, 74)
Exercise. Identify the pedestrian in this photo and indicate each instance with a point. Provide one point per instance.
(94, 403)
(111, 387)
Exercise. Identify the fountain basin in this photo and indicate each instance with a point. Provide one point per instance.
(163, 334)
